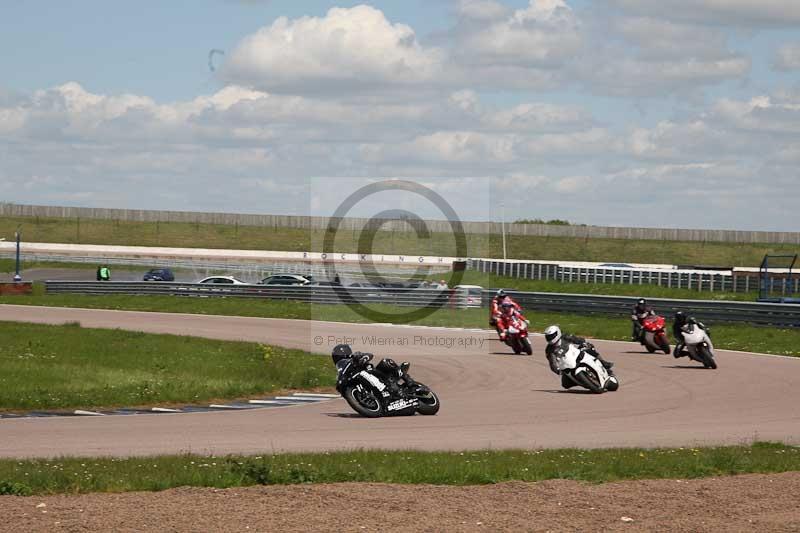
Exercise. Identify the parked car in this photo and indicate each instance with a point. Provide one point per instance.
(286, 279)
(325, 284)
(159, 274)
(375, 292)
(222, 280)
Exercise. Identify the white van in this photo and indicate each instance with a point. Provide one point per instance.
(472, 294)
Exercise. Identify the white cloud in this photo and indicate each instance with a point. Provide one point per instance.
(547, 45)
(641, 55)
(545, 34)
(788, 57)
(353, 48)
(623, 75)
(573, 184)
(481, 10)
(761, 113)
(743, 13)
(656, 38)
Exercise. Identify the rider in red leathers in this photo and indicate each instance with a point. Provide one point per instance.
(507, 315)
(496, 309)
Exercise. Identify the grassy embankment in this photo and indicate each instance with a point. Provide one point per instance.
(732, 337)
(78, 475)
(70, 367)
(273, 238)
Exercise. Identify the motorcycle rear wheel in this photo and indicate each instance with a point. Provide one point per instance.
(363, 402)
(429, 403)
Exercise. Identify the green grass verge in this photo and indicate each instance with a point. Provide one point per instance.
(610, 289)
(70, 367)
(76, 475)
(88, 231)
(9, 265)
(770, 340)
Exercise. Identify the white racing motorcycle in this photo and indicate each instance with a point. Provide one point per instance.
(699, 346)
(585, 370)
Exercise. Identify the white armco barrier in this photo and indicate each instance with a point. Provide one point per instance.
(218, 255)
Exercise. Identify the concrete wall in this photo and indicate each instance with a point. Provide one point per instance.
(437, 226)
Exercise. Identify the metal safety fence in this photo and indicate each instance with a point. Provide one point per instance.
(699, 280)
(418, 297)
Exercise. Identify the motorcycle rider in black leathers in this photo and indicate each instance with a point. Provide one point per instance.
(557, 344)
(640, 311)
(343, 355)
(681, 321)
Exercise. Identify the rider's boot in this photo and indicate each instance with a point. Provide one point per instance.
(608, 365)
(678, 352)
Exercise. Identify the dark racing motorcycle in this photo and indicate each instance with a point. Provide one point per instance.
(383, 390)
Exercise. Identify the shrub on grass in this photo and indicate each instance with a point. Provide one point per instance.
(8, 488)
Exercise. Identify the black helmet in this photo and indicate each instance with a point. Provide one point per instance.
(691, 320)
(341, 351)
(641, 301)
(680, 317)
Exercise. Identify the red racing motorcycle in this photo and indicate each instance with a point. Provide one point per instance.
(654, 337)
(517, 336)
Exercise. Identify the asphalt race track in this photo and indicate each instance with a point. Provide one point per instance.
(490, 398)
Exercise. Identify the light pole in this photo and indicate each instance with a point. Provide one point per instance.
(503, 226)
(17, 235)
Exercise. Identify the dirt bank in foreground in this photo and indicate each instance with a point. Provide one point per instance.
(740, 503)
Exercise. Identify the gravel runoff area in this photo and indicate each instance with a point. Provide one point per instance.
(753, 502)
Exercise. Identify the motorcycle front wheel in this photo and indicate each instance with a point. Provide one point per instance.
(664, 344)
(707, 358)
(647, 344)
(526, 346)
(516, 345)
(363, 401)
(589, 380)
(429, 403)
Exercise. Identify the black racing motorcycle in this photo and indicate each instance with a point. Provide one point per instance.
(385, 389)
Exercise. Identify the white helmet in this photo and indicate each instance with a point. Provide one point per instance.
(553, 335)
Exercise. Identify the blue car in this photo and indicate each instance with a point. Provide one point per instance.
(159, 274)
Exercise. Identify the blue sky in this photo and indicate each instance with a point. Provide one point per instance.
(152, 47)
(611, 112)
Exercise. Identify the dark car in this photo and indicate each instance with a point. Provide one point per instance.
(159, 274)
(286, 279)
